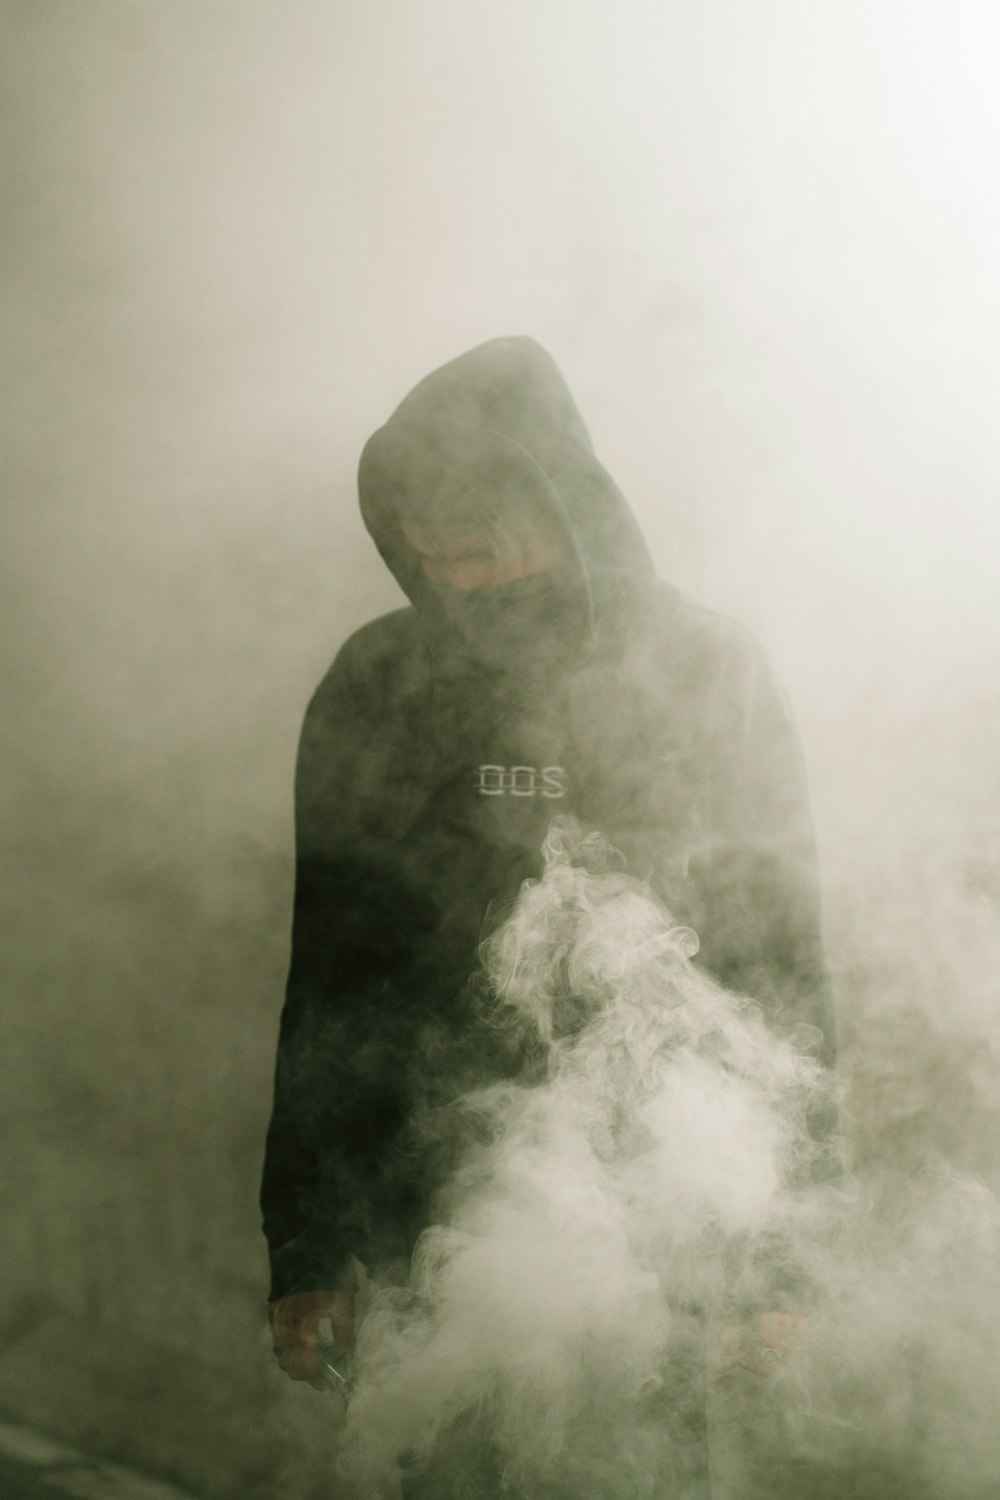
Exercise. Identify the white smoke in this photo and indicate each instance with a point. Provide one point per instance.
(611, 1208)
(898, 1380)
(622, 1222)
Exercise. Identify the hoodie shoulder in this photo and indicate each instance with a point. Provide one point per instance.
(687, 626)
(698, 653)
(717, 631)
(373, 664)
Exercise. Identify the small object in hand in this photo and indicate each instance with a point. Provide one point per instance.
(335, 1367)
(766, 1354)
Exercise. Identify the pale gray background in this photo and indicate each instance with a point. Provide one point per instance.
(760, 237)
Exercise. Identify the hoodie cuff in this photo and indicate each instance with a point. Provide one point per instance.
(300, 1267)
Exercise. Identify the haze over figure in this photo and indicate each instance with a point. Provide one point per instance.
(540, 669)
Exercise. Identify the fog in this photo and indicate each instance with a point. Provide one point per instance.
(760, 240)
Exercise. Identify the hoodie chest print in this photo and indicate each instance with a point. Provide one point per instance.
(494, 780)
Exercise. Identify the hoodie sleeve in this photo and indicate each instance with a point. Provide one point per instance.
(299, 1192)
(762, 936)
(332, 1181)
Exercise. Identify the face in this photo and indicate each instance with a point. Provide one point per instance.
(467, 562)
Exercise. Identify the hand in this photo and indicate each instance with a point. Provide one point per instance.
(295, 1324)
(761, 1348)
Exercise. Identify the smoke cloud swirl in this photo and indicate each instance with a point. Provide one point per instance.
(609, 1215)
(628, 1219)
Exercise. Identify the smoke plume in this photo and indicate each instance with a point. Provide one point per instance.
(626, 1218)
(608, 1207)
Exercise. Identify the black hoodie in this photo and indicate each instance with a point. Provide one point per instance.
(428, 773)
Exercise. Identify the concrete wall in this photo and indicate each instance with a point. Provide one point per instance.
(234, 234)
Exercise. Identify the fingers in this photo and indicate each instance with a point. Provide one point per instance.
(781, 1330)
(294, 1341)
(777, 1335)
(761, 1360)
(295, 1325)
(727, 1347)
(299, 1362)
(761, 1348)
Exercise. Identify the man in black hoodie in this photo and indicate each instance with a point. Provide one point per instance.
(540, 668)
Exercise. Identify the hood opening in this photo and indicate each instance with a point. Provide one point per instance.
(490, 443)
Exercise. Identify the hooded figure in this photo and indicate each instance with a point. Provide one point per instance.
(539, 669)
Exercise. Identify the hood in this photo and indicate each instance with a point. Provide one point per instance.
(499, 421)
